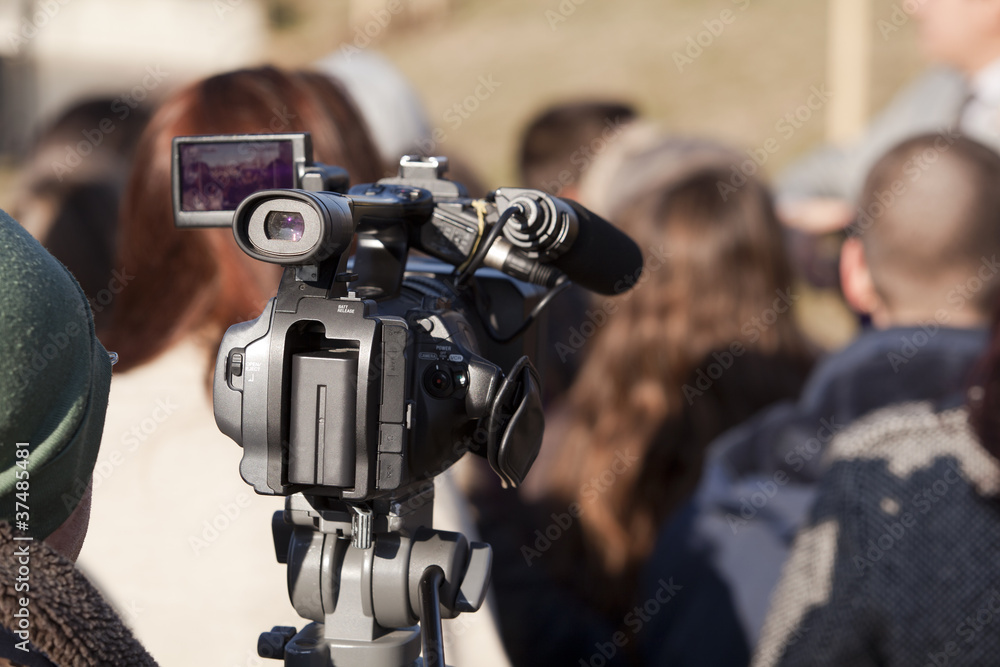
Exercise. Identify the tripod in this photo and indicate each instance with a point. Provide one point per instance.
(365, 575)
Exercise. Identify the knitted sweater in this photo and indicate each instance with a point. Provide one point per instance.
(900, 562)
(68, 621)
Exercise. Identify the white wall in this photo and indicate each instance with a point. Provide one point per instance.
(83, 48)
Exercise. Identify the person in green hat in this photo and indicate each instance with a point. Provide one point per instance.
(54, 381)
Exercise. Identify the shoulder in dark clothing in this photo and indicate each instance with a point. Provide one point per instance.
(764, 472)
(879, 368)
(908, 564)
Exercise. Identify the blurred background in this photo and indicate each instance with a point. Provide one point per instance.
(758, 69)
(733, 70)
(771, 79)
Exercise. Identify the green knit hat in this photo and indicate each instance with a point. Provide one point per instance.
(54, 382)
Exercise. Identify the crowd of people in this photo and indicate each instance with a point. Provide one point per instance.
(714, 488)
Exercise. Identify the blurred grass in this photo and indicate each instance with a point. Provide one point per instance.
(758, 69)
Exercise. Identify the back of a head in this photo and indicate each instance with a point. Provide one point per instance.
(726, 263)
(714, 265)
(183, 281)
(71, 187)
(643, 160)
(714, 261)
(559, 145)
(929, 222)
(386, 99)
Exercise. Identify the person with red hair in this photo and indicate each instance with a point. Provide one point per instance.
(184, 283)
(167, 481)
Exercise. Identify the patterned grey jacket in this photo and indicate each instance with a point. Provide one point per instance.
(900, 562)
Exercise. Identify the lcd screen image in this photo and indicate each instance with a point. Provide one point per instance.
(218, 176)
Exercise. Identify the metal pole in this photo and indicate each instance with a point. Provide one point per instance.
(849, 63)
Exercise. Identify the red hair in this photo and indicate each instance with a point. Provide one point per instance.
(198, 281)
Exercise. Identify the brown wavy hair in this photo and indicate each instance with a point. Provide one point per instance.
(637, 418)
(198, 281)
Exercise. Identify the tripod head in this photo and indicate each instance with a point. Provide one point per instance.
(358, 573)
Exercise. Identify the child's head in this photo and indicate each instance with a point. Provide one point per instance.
(928, 231)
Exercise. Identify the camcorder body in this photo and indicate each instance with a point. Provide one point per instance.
(357, 399)
(361, 378)
(370, 372)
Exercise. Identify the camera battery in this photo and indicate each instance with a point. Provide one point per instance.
(322, 434)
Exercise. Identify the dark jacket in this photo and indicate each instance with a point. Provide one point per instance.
(68, 622)
(760, 479)
(897, 565)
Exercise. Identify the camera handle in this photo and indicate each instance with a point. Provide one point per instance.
(366, 577)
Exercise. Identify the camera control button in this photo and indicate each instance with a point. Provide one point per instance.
(390, 471)
(390, 438)
(236, 364)
(437, 381)
(393, 373)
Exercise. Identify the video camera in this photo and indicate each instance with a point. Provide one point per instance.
(366, 376)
